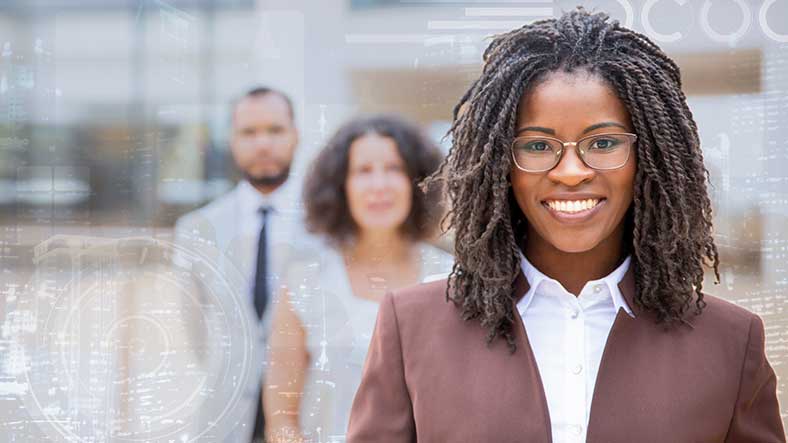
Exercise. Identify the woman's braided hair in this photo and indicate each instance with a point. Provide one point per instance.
(669, 226)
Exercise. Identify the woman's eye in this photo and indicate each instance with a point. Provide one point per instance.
(537, 146)
(393, 168)
(603, 143)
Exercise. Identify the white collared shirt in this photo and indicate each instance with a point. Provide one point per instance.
(567, 335)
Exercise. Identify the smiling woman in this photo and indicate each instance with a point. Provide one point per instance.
(582, 227)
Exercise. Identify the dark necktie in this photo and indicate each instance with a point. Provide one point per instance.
(260, 300)
(260, 278)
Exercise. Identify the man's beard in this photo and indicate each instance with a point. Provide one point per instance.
(269, 181)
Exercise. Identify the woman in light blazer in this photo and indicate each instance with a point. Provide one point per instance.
(574, 311)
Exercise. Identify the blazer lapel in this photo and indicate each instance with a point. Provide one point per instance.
(607, 407)
(535, 390)
(609, 404)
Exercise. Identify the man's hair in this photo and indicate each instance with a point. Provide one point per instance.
(260, 91)
(669, 225)
(325, 198)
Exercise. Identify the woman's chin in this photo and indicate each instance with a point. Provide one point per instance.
(574, 245)
(380, 225)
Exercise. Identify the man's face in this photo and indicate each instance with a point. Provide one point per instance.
(263, 139)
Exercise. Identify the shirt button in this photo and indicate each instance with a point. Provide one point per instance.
(597, 289)
(577, 369)
(575, 313)
(576, 429)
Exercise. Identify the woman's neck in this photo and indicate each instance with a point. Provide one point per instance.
(379, 247)
(381, 262)
(574, 269)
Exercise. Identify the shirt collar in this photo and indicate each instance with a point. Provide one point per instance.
(252, 200)
(536, 277)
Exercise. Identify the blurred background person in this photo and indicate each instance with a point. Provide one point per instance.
(362, 200)
(250, 224)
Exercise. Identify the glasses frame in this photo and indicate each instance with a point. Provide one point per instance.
(581, 154)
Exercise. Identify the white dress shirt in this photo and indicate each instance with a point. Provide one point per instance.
(284, 227)
(567, 334)
(250, 200)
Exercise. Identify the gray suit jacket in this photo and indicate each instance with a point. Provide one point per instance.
(430, 377)
(228, 337)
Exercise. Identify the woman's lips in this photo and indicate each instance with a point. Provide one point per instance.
(575, 216)
(380, 206)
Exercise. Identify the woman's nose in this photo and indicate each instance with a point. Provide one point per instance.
(378, 179)
(570, 170)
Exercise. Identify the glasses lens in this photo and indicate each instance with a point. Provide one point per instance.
(606, 151)
(535, 153)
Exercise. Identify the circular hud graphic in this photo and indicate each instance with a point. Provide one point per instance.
(133, 340)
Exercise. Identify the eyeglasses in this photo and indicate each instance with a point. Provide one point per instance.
(598, 151)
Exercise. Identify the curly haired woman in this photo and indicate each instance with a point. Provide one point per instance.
(371, 223)
(574, 310)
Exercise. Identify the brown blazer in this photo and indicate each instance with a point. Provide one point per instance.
(430, 377)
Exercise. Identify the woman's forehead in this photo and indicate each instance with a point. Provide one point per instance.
(562, 98)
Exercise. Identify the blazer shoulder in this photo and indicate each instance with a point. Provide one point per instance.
(726, 312)
(421, 298)
(211, 212)
(724, 318)
(424, 309)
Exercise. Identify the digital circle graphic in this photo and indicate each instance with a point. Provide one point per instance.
(135, 339)
(726, 38)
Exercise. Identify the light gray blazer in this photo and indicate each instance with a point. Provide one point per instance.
(228, 339)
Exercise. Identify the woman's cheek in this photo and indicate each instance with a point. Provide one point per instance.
(404, 196)
(354, 193)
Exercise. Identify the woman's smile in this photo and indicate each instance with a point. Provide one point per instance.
(576, 210)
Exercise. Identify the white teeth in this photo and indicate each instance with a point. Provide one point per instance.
(571, 206)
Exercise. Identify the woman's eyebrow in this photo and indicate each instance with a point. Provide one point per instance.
(588, 129)
(603, 125)
(537, 128)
